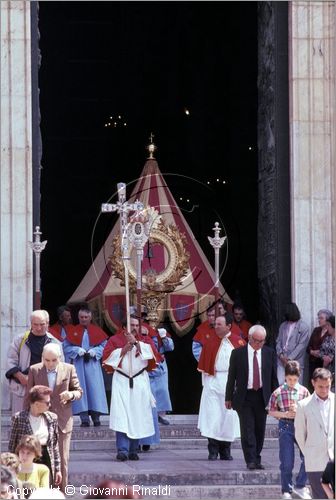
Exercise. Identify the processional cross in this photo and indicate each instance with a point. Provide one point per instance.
(130, 232)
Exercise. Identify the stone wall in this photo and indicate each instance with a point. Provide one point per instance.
(16, 177)
(273, 164)
(296, 142)
(312, 59)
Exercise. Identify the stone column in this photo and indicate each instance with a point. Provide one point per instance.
(312, 57)
(274, 273)
(16, 177)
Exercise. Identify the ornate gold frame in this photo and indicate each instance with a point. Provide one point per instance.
(155, 286)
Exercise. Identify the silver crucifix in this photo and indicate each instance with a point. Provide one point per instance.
(123, 207)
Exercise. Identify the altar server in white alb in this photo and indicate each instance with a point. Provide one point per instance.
(159, 382)
(131, 357)
(218, 424)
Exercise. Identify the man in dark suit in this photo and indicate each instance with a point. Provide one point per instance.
(251, 380)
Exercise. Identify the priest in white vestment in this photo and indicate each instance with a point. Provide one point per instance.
(219, 425)
(131, 399)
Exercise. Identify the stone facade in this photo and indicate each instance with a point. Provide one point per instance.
(296, 143)
(274, 271)
(312, 118)
(304, 170)
(16, 177)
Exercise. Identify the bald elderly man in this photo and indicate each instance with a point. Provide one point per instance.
(24, 351)
(62, 379)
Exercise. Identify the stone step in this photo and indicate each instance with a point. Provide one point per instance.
(171, 467)
(187, 473)
(173, 431)
(165, 444)
(197, 492)
(173, 419)
(180, 462)
(190, 492)
(187, 469)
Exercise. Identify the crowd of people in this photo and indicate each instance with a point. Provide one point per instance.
(55, 372)
(247, 382)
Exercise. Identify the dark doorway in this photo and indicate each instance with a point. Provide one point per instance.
(186, 71)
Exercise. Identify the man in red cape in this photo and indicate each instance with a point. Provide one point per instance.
(240, 325)
(59, 329)
(83, 347)
(219, 425)
(206, 330)
(119, 340)
(130, 356)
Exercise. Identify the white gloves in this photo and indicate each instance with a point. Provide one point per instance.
(162, 332)
(92, 353)
(81, 351)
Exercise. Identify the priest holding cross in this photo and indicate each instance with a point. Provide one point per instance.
(127, 353)
(131, 356)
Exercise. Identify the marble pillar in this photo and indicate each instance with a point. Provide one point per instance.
(274, 258)
(16, 177)
(312, 57)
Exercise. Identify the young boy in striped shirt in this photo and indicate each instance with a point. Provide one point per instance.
(282, 405)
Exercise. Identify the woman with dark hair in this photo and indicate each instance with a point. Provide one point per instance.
(313, 349)
(28, 450)
(292, 340)
(327, 349)
(43, 424)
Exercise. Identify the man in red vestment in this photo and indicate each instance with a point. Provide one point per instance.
(206, 330)
(83, 347)
(240, 325)
(219, 425)
(59, 329)
(119, 340)
(124, 351)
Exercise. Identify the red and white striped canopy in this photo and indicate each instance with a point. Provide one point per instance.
(189, 299)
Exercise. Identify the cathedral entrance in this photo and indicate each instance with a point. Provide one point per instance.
(118, 73)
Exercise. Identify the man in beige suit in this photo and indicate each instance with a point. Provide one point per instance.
(62, 379)
(314, 429)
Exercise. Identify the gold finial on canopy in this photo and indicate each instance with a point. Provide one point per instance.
(151, 148)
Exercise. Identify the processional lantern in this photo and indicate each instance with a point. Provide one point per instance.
(37, 246)
(216, 242)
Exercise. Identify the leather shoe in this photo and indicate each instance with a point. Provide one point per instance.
(259, 466)
(226, 457)
(251, 466)
(163, 421)
(122, 457)
(145, 447)
(97, 424)
(212, 456)
(133, 456)
(85, 424)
